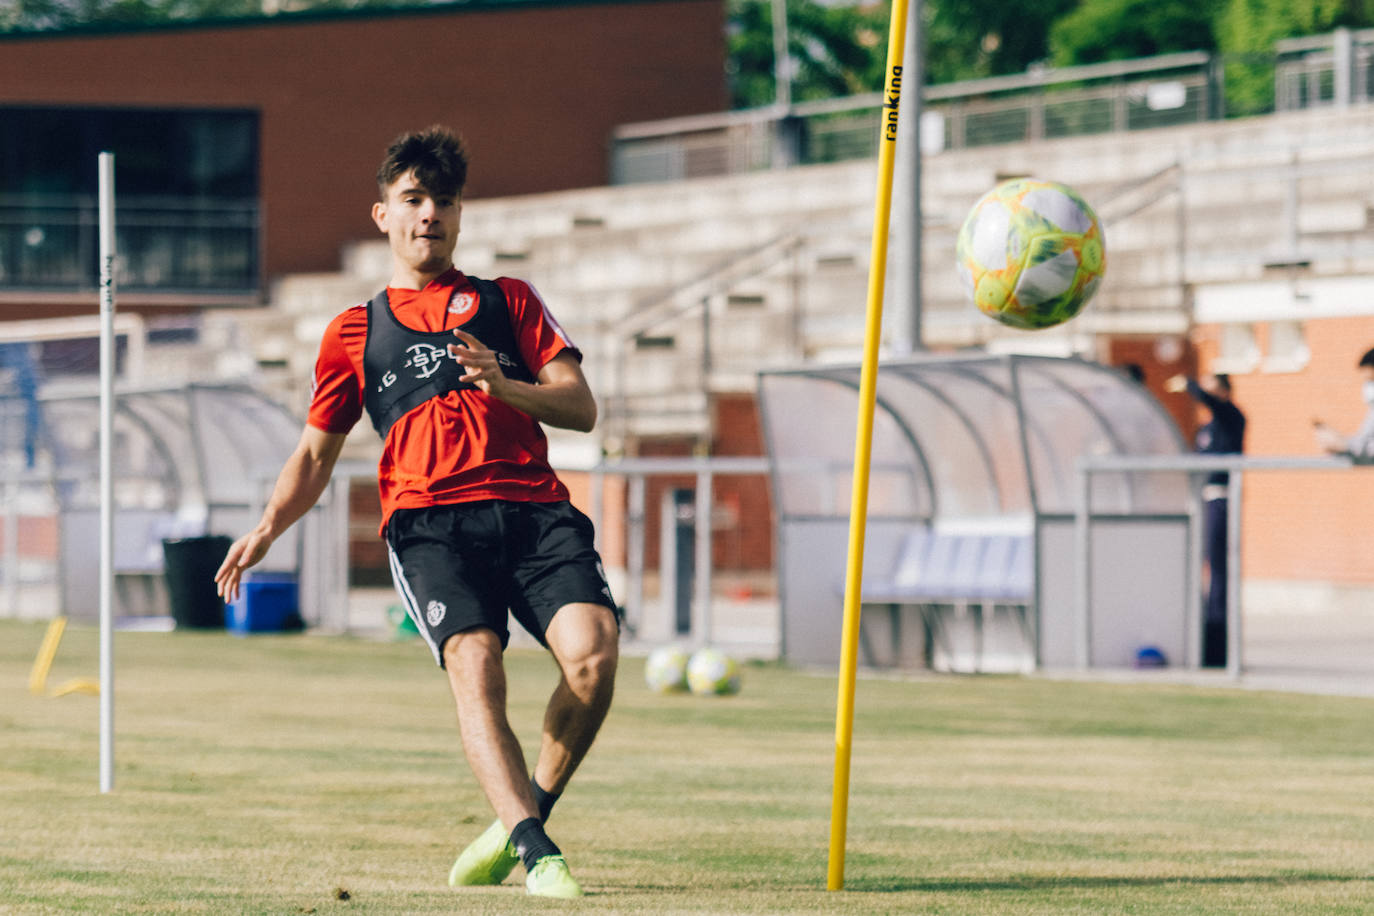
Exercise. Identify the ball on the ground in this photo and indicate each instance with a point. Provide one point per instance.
(1031, 253)
(666, 669)
(711, 672)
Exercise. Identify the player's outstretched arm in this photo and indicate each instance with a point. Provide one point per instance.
(562, 398)
(300, 483)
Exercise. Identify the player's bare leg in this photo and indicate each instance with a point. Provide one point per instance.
(478, 680)
(584, 640)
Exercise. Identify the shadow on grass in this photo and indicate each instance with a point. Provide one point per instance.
(878, 885)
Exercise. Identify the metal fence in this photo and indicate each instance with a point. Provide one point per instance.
(1041, 104)
(1318, 70)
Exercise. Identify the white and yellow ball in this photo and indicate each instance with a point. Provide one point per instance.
(711, 672)
(665, 670)
(1031, 253)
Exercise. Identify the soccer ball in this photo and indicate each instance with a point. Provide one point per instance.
(1031, 253)
(666, 670)
(711, 672)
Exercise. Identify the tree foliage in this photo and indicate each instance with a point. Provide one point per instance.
(1123, 29)
(834, 50)
(970, 39)
(1248, 29)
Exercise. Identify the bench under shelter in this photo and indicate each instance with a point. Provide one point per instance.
(969, 561)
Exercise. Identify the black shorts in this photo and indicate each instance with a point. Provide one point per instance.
(467, 565)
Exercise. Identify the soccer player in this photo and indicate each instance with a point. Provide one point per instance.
(457, 374)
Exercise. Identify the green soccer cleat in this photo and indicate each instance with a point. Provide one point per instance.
(487, 860)
(550, 878)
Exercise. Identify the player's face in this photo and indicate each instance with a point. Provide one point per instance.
(422, 227)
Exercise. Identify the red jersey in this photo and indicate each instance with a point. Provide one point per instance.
(464, 445)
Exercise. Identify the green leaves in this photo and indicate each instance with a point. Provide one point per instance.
(833, 50)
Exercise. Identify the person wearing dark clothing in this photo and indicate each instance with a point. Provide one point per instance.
(1222, 434)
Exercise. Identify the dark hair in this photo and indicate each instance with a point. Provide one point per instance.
(437, 156)
(1135, 371)
(1367, 359)
(1223, 381)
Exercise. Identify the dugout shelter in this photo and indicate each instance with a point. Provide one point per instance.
(969, 562)
(189, 462)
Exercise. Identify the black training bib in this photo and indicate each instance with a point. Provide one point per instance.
(403, 368)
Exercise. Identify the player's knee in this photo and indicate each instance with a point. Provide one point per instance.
(592, 673)
(473, 652)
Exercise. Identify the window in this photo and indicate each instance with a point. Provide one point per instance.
(186, 198)
(1287, 347)
(1239, 353)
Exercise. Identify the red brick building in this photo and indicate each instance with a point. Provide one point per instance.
(273, 126)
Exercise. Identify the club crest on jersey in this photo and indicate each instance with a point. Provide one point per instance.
(462, 302)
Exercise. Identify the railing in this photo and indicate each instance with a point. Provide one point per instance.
(48, 243)
(1330, 69)
(667, 312)
(1336, 68)
(1195, 466)
(1040, 104)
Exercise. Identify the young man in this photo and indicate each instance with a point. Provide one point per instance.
(456, 374)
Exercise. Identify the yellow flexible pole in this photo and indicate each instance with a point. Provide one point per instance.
(47, 651)
(863, 445)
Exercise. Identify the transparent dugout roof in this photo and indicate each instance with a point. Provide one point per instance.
(188, 449)
(967, 437)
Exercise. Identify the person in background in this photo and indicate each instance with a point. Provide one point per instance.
(1222, 434)
(1360, 445)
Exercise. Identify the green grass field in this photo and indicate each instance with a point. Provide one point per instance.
(283, 774)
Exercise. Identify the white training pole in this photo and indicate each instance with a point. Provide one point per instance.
(107, 368)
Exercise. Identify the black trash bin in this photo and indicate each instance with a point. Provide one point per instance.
(189, 565)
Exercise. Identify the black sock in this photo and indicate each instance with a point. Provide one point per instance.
(531, 842)
(543, 799)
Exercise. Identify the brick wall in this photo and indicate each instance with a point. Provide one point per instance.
(535, 89)
(1160, 359)
(1303, 525)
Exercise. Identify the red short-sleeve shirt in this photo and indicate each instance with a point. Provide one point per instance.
(464, 445)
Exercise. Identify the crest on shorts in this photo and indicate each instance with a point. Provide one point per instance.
(434, 612)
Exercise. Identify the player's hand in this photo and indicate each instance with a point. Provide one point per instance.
(483, 368)
(1176, 383)
(243, 553)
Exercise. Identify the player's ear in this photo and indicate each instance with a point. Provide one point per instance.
(379, 215)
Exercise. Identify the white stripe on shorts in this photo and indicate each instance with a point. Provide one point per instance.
(411, 604)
